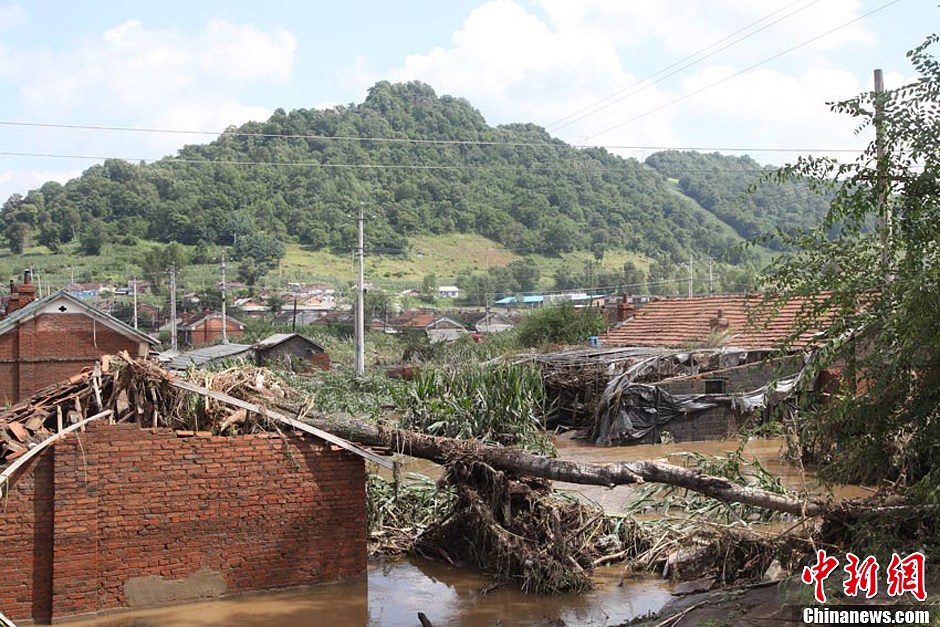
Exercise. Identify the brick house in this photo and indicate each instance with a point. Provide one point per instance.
(46, 341)
(720, 351)
(206, 328)
(293, 350)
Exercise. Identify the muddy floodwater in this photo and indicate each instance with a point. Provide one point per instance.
(395, 592)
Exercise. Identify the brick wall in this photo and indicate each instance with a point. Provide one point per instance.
(51, 348)
(210, 332)
(720, 422)
(139, 509)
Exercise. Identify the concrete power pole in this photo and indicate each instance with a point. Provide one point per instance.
(135, 302)
(173, 344)
(711, 277)
(360, 306)
(224, 319)
(690, 276)
(881, 181)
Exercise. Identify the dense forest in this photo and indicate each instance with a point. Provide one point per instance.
(418, 163)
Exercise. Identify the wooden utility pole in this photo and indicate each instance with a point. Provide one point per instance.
(360, 305)
(173, 344)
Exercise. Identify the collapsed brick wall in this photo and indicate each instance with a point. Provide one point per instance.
(720, 422)
(117, 509)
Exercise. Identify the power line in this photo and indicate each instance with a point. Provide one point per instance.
(580, 165)
(402, 140)
(745, 70)
(647, 82)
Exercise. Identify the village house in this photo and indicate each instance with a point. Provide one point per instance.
(297, 319)
(688, 369)
(487, 321)
(435, 327)
(48, 340)
(84, 290)
(291, 350)
(448, 291)
(205, 328)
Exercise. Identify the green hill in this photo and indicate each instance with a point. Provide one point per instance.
(421, 166)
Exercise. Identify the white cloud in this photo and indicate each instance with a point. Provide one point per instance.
(21, 181)
(138, 76)
(556, 61)
(137, 72)
(11, 15)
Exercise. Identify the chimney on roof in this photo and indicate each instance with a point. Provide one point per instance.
(21, 295)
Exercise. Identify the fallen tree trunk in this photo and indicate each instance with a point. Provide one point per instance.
(441, 450)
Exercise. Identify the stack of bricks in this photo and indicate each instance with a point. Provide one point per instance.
(257, 511)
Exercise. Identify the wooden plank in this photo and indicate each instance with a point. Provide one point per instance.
(36, 450)
(296, 424)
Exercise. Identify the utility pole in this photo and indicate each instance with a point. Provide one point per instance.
(711, 278)
(224, 319)
(173, 344)
(134, 281)
(360, 305)
(881, 181)
(690, 276)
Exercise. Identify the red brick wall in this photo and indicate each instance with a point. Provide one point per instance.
(210, 332)
(259, 511)
(51, 348)
(321, 361)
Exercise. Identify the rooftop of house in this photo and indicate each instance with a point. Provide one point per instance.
(204, 355)
(739, 320)
(193, 320)
(275, 339)
(63, 302)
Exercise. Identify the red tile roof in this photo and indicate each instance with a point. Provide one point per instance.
(692, 322)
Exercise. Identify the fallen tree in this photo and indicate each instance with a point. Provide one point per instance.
(441, 450)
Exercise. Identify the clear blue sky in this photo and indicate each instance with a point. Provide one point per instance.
(204, 65)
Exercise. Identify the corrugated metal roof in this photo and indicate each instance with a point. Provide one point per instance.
(686, 322)
(201, 356)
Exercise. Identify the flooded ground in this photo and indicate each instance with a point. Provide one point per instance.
(395, 592)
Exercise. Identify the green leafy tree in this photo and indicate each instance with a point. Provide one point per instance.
(257, 253)
(560, 324)
(873, 268)
(93, 237)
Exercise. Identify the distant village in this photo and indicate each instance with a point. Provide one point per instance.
(113, 318)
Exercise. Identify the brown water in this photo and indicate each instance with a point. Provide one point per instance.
(395, 592)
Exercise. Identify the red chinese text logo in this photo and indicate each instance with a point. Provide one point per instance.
(903, 575)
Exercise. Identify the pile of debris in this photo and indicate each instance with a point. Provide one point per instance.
(577, 380)
(49, 411)
(143, 393)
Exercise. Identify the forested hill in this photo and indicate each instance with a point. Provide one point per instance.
(733, 189)
(418, 163)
